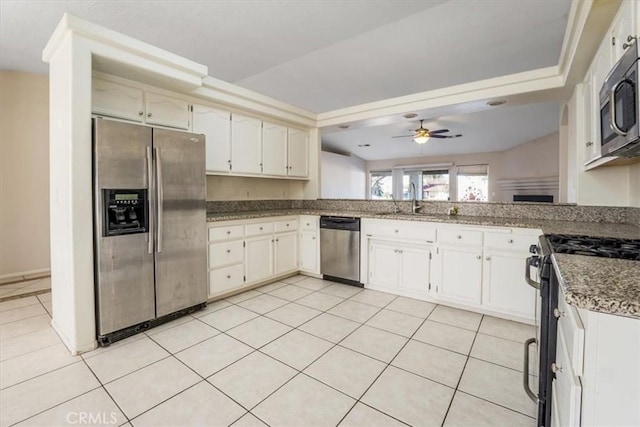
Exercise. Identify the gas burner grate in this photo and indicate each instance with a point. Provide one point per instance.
(595, 246)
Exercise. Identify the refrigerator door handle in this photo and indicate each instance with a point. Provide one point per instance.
(160, 194)
(150, 199)
(525, 371)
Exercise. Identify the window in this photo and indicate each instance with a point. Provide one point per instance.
(381, 185)
(430, 184)
(473, 183)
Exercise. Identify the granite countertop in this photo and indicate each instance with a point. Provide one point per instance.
(603, 285)
(598, 284)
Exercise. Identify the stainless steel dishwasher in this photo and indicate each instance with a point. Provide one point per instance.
(340, 249)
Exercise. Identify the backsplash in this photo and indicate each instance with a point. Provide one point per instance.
(557, 212)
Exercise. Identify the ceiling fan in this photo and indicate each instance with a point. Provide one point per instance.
(422, 134)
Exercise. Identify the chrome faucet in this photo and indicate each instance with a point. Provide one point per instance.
(415, 207)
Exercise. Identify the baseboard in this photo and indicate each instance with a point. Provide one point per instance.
(26, 273)
(72, 349)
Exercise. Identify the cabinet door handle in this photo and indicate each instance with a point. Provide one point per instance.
(478, 257)
(277, 240)
(510, 240)
(307, 224)
(148, 114)
(459, 236)
(400, 251)
(140, 113)
(260, 228)
(488, 258)
(395, 231)
(313, 238)
(228, 251)
(589, 144)
(228, 231)
(228, 276)
(287, 225)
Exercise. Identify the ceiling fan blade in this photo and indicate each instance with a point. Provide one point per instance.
(446, 136)
(402, 136)
(438, 131)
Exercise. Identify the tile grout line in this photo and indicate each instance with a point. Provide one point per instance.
(385, 368)
(462, 372)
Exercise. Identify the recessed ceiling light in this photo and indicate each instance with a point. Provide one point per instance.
(496, 102)
(364, 145)
(410, 116)
(344, 126)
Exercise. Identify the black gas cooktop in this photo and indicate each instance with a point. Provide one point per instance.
(595, 246)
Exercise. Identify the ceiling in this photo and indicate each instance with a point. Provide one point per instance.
(323, 55)
(496, 129)
(317, 54)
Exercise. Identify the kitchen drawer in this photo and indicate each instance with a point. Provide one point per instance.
(226, 279)
(290, 225)
(258, 229)
(405, 230)
(218, 234)
(509, 241)
(570, 325)
(566, 387)
(309, 223)
(226, 253)
(460, 236)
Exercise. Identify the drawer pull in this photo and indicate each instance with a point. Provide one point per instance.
(510, 240)
(308, 224)
(287, 225)
(558, 313)
(261, 228)
(228, 276)
(555, 368)
(396, 230)
(478, 257)
(488, 258)
(140, 113)
(228, 251)
(228, 231)
(313, 238)
(459, 236)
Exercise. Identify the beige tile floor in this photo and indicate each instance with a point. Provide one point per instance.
(302, 352)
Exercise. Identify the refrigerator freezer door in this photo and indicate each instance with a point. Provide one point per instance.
(123, 265)
(181, 252)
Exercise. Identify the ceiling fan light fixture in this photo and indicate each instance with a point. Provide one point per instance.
(422, 139)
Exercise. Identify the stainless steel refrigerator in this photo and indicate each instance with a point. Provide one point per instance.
(149, 226)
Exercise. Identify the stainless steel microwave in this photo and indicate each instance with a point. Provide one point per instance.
(619, 112)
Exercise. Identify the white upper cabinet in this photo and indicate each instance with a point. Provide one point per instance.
(274, 149)
(167, 111)
(590, 100)
(117, 100)
(622, 30)
(246, 145)
(298, 153)
(216, 126)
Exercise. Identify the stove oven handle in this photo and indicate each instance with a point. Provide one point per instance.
(533, 261)
(525, 375)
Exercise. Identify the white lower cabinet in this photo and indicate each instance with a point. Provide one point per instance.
(479, 268)
(285, 252)
(309, 244)
(259, 258)
(503, 286)
(400, 267)
(246, 252)
(460, 278)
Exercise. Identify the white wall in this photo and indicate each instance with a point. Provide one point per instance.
(24, 172)
(343, 177)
